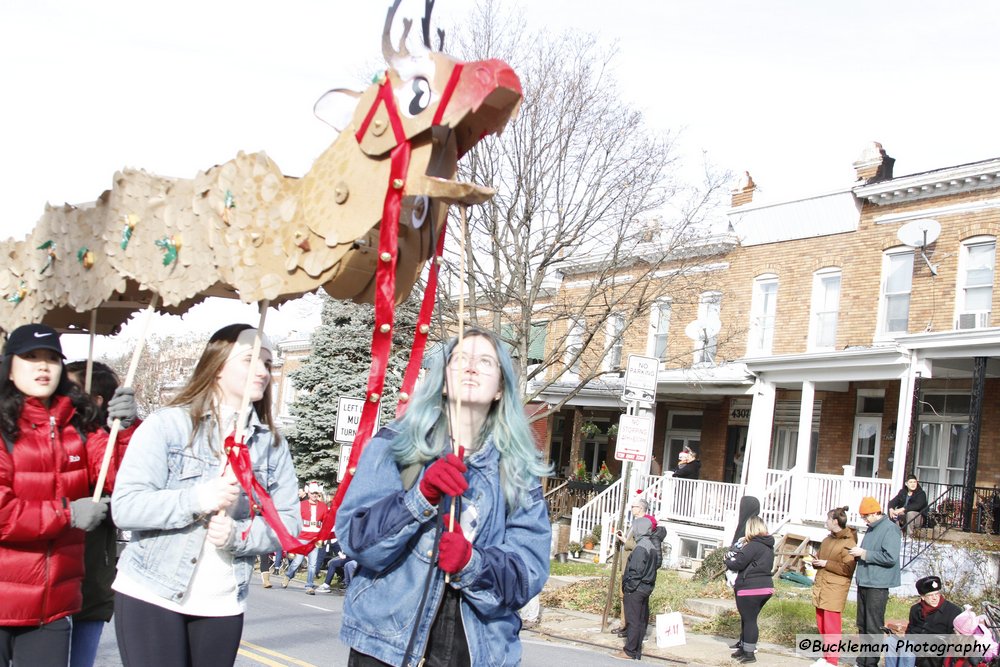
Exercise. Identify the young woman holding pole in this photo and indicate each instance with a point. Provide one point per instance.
(183, 579)
(425, 586)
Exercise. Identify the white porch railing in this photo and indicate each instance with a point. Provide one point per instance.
(602, 510)
(824, 492)
(695, 501)
(776, 501)
(716, 504)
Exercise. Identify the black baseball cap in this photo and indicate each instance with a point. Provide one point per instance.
(33, 337)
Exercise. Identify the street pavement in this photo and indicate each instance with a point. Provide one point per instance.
(700, 650)
(286, 627)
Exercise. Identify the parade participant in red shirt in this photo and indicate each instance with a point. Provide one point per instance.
(313, 508)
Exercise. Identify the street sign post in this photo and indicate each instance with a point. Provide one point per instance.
(348, 419)
(640, 378)
(634, 434)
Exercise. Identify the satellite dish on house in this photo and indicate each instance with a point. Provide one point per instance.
(703, 328)
(920, 234)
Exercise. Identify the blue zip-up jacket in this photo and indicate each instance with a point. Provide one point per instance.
(390, 532)
(155, 498)
(880, 566)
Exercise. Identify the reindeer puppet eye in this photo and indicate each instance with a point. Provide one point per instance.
(420, 90)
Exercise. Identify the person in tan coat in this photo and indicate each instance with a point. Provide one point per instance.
(834, 570)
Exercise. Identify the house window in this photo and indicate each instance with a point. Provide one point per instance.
(975, 283)
(870, 401)
(536, 342)
(693, 550)
(574, 346)
(785, 438)
(897, 279)
(783, 450)
(825, 309)
(943, 438)
(709, 308)
(659, 326)
(865, 453)
(763, 306)
(683, 430)
(613, 328)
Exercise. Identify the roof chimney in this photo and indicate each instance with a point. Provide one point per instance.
(743, 193)
(874, 164)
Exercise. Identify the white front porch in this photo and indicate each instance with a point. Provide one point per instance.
(706, 511)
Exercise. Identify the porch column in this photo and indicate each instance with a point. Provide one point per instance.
(758, 447)
(972, 452)
(905, 422)
(575, 440)
(804, 444)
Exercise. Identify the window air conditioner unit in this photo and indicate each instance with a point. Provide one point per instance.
(973, 320)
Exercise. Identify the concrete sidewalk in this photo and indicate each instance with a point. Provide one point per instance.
(700, 649)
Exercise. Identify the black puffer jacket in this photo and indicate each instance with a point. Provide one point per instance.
(754, 562)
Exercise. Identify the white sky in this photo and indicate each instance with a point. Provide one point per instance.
(790, 90)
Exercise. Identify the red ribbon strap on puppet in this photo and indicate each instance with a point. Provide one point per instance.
(260, 501)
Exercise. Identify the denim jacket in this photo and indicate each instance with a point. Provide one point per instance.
(155, 498)
(390, 532)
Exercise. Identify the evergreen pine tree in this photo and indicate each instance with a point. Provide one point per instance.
(338, 366)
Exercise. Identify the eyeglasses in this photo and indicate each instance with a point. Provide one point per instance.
(481, 363)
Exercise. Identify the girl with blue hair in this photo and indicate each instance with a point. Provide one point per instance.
(393, 521)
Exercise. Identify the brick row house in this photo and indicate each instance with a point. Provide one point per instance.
(831, 354)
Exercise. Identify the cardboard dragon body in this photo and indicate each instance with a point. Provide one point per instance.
(245, 229)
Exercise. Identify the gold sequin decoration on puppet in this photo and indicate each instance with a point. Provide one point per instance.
(170, 245)
(130, 222)
(18, 296)
(50, 248)
(228, 203)
(85, 257)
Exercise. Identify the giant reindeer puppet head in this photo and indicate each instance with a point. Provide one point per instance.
(376, 199)
(404, 135)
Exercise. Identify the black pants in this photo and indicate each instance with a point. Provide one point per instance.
(749, 607)
(151, 636)
(446, 645)
(35, 644)
(636, 607)
(871, 616)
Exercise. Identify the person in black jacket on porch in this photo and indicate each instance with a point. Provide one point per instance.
(638, 582)
(688, 465)
(908, 508)
(753, 559)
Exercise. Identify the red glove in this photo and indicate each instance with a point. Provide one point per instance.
(444, 476)
(455, 551)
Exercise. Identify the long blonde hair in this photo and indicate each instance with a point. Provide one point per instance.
(201, 391)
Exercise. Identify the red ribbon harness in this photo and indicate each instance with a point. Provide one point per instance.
(385, 292)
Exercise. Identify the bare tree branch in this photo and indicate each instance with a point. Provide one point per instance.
(592, 221)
